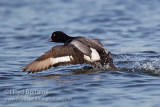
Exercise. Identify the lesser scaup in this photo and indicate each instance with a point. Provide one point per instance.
(76, 50)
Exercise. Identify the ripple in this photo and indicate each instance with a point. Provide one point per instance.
(97, 31)
(94, 85)
(52, 95)
(80, 89)
(100, 20)
(4, 78)
(150, 52)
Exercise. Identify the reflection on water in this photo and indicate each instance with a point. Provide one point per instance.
(94, 71)
(129, 29)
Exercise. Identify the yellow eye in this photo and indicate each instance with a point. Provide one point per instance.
(54, 35)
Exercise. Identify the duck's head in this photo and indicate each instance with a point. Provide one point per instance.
(59, 36)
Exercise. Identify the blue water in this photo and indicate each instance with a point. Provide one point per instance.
(130, 29)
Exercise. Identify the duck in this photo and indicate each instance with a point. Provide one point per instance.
(75, 50)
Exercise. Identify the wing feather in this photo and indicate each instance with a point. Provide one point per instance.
(68, 54)
(82, 47)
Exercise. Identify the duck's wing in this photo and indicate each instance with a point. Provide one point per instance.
(94, 49)
(100, 44)
(97, 41)
(58, 55)
(82, 47)
(90, 43)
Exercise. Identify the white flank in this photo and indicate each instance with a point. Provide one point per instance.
(60, 59)
(94, 56)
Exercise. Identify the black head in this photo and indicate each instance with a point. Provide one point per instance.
(59, 36)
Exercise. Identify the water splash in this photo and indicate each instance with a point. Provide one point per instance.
(138, 63)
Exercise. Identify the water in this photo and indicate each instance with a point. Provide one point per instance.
(130, 29)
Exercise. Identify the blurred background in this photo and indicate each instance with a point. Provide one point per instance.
(130, 29)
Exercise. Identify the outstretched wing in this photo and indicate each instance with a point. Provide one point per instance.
(93, 43)
(58, 55)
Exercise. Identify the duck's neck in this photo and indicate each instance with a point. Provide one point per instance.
(69, 39)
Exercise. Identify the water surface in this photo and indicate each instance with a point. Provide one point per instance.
(130, 29)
